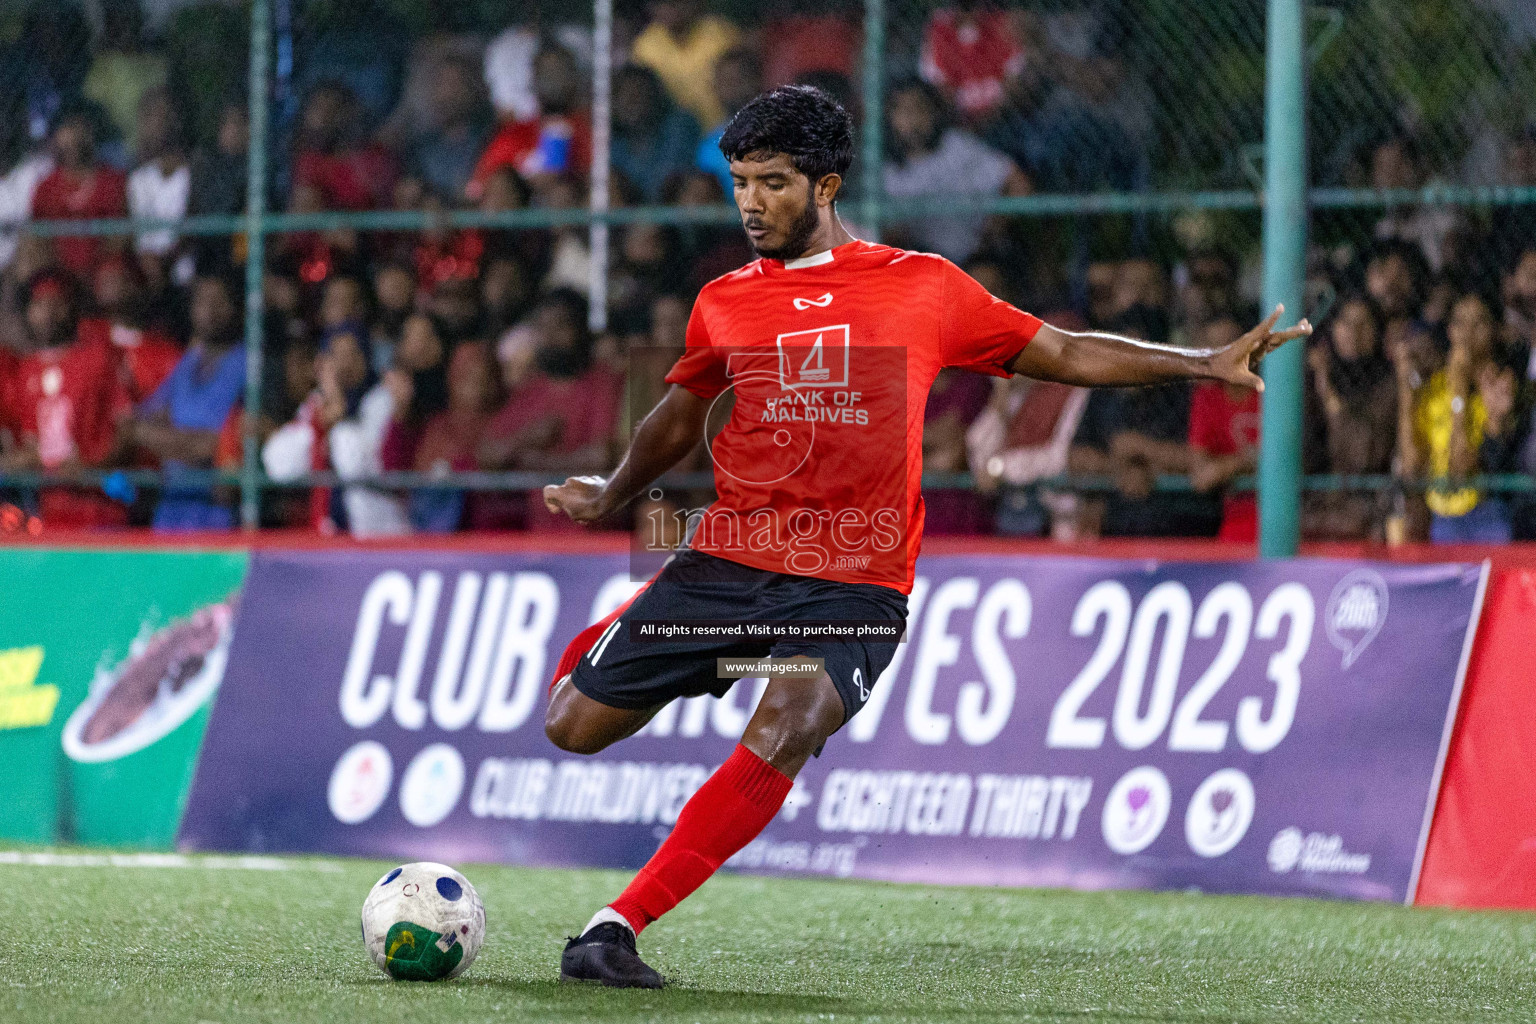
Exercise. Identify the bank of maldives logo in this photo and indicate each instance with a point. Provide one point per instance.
(817, 358)
(1136, 810)
(1219, 813)
(1357, 610)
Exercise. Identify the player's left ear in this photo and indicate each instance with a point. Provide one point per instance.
(827, 189)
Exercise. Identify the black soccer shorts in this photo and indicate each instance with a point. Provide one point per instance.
(625, 672)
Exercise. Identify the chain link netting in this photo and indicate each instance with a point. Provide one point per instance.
(1422, 368)
(428, 273)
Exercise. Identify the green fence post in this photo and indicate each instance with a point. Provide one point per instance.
(1285, 253)
(255, 259)
(873, 150)
(602, 163)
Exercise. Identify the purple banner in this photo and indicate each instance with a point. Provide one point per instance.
(1233, 727)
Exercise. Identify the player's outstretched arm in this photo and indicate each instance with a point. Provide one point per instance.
(1095, 360)
(667, 433)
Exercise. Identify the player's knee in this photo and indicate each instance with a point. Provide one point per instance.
(794, 717)
(570, 736)
(566, 731)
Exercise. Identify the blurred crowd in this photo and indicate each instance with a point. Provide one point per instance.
(451, 350)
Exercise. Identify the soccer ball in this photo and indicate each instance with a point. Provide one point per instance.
(423, 922)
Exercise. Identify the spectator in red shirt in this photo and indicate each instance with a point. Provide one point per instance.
(10, 361)
(79, 188)
(1224, 436)
(448, 444)
(64, 405)
(970, 51)
(809, 36)
(954, 403)
(145, 355)
(562, 418)
(558, 141)
(331, 156)
(453, 416)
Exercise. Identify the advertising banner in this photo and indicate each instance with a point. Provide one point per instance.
(1482, 850)
(108, 663)
(1234, 727)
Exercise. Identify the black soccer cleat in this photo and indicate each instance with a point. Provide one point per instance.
(605, 953)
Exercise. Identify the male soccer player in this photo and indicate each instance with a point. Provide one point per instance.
(827, 346)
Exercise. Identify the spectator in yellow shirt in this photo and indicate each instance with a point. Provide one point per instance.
(682, 44)
(1461, 420)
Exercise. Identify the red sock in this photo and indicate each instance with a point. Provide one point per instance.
(729, 811)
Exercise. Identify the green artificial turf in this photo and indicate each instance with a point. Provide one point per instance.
(100, 944)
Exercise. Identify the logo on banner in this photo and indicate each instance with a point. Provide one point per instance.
(1314, 853)
(1357, 610)
(1285, 850)
(360, 782)
(121, 716)
(24, 703)
(1219, 813)
(1136, 810)
(430, 788)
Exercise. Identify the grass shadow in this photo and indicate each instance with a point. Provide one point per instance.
(594, 1002)
(676, 997)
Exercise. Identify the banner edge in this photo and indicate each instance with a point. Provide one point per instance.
(1485, 571)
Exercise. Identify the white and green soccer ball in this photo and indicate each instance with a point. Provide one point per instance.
(423, 922)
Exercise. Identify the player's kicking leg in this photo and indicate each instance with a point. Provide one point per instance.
(613, 683)
(794, 718)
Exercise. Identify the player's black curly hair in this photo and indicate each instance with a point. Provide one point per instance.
(800, 121)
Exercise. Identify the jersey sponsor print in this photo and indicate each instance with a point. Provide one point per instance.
(820, 369)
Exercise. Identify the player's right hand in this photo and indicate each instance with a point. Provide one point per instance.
(1238, 363)
(580, 497)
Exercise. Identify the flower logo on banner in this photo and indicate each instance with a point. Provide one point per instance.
(360, 782)
(1357, 610)
(1136, 810)
(1219, 813)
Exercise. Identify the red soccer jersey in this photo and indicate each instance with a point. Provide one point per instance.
(587, 409)
(819, 466)
(144, 358)
(354, 179)
(10, 363)
(69, 400)
(65, 195)
(552, 144)
(1222, 425)
(972, 56)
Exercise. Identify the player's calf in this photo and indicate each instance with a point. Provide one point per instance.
(735, 804)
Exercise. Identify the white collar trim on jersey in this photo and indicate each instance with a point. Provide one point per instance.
(820, 259)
